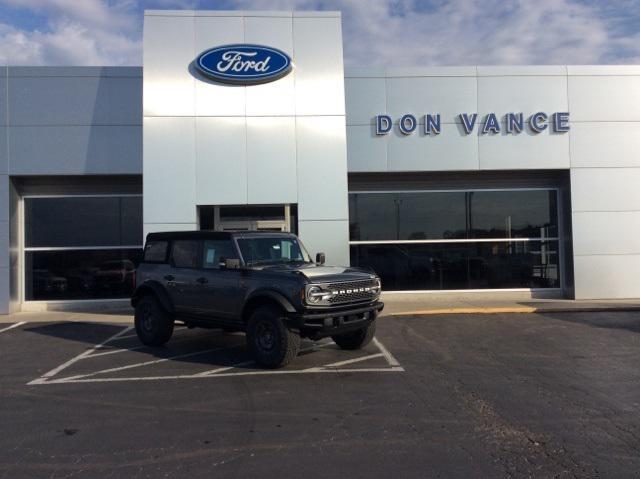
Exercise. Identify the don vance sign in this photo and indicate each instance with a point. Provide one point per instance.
(510, 123)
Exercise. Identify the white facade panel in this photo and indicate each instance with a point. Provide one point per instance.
(319, 66)
(329, 237)
(4, 290)
(450, 150)
(168, 42)
(212, 98)
(448, 96)
(275, 98)
(271, 160)
(4, 245)
(4, 152)
(366, 151)
(604, 98)
(521, 70)
(607, 276)
(605, 144)
(365, 98)
(526, 150)
(522, 94)
(221, 161)
(606, 233)
(605, 189)
(169, 170)
(322, 168)
(75, 150)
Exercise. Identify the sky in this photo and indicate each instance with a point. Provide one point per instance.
(376, 32)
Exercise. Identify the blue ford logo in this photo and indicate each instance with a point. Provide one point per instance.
(244, 64)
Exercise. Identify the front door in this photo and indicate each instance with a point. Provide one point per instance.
(219, 291)
(248, 218)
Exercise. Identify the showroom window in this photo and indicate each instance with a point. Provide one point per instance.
(81, 247)
(452, 240)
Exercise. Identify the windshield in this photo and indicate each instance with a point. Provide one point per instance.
(266, 249)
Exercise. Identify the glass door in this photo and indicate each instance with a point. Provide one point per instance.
(248, 218)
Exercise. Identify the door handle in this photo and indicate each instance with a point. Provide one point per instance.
(202, 280)
(169, 277)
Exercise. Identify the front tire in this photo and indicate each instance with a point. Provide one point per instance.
(270, 342)
(154, 325)
(356, 339)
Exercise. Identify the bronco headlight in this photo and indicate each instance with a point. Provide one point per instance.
(314, 294)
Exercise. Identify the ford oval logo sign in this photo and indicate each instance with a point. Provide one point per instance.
(244, 64)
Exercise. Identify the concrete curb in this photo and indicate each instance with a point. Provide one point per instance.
(516, 309)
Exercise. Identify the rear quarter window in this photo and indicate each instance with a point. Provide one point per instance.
(155, 252)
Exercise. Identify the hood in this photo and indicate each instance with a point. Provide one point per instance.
(317, 273)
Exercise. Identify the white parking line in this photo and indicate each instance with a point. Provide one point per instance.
(388, 356)
(247, 363)
(213, 376)
(226, 371)
(80, 356)
(351, 361)
(146, 363)
(12, 326)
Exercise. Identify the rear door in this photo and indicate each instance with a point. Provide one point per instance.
(219, 291)
(180, 280)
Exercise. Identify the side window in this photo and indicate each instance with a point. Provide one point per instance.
(184, 253)
(215, 251)
(155, 252)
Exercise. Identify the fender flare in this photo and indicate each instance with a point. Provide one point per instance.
(157, 290)
(268, 294)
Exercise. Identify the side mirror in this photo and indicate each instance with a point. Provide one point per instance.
(320, 259)
(231, 263)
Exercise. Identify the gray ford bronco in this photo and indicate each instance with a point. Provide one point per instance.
(262, 283)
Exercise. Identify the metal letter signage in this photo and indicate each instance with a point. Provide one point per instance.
(243, 64)
(510, 123)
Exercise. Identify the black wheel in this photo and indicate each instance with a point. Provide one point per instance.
(356, 339)
(154, 325)
(269, 340)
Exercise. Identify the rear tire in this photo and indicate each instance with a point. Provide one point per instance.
(356, 339)
(154, 325)
(270, 342)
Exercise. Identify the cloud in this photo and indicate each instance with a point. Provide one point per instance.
(87, 32)
(376, 32)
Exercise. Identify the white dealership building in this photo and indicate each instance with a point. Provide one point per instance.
(489, 179)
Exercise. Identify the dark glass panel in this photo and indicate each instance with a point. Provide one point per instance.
(446, 266)
(85, 274)
(82, 221)
(155, 251)
(513, 214)
(215, 251)
(437, 215)
(131, 221)
(185, 253)
(373, 216)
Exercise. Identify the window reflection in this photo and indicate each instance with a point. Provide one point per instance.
(445, 266)
(84, 274)
(453, 215)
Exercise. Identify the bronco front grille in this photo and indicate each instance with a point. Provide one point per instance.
(351, 291)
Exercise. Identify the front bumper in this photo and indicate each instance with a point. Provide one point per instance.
(318, 323)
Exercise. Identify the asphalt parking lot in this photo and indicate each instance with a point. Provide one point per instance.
(502, 395)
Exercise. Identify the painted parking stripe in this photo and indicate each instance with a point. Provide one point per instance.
(248, 363)
(77, 358)
(145, 363)
(13, 326)
(227, 371)
(388, 356)
(213, 376)
(351, 361)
